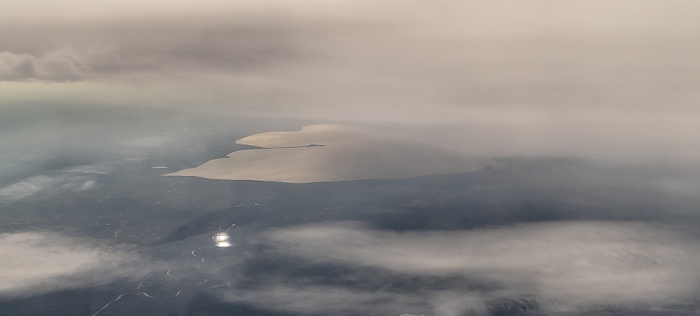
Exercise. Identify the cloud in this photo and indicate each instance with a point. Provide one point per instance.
(396, 59)
(156, 52)
(66, 63)
(497, 72)
(326, 300)
(146, 141)
(75, 179)
(564, 265)
(95, 169)
(591, 88)
(323, 153)
(59, 65)
(39, 262)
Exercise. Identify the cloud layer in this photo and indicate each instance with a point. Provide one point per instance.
(76, 179)
(345, 59)
(541, 77)
(38, 262)
(562, 266)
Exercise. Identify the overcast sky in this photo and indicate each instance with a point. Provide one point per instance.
(98, 99)
(537, 75)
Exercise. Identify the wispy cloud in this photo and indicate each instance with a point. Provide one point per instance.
(146, 141)
(327, 300)
(341, 59)
(64, 64)
(75, 179)
(509, 83)
(566, 265)
(38, 262)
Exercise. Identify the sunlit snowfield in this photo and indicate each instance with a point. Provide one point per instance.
(349, 158)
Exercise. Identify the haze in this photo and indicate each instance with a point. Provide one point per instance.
(376, 157)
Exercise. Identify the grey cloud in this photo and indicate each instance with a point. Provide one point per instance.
(146, 141)
(327, 300)
(66, 63)
(43, 185)
(76, 179)
(58, 65)
(339, 301)
(128, 49)
(314, 299)
(25, 188)
(40, 262)
(89, 169)
(70, 64)
(396, 60)
(566, 265)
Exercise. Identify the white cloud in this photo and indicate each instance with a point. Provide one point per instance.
(75, 179)
(515, 87)
(37, 262)
(59, 65)
(28, 187)
(90, 169)
(146, 141)
(565, 265)
(65, 64)
(347, 153)
(327, 300)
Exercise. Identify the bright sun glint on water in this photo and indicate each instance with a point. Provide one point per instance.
(222, 240)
